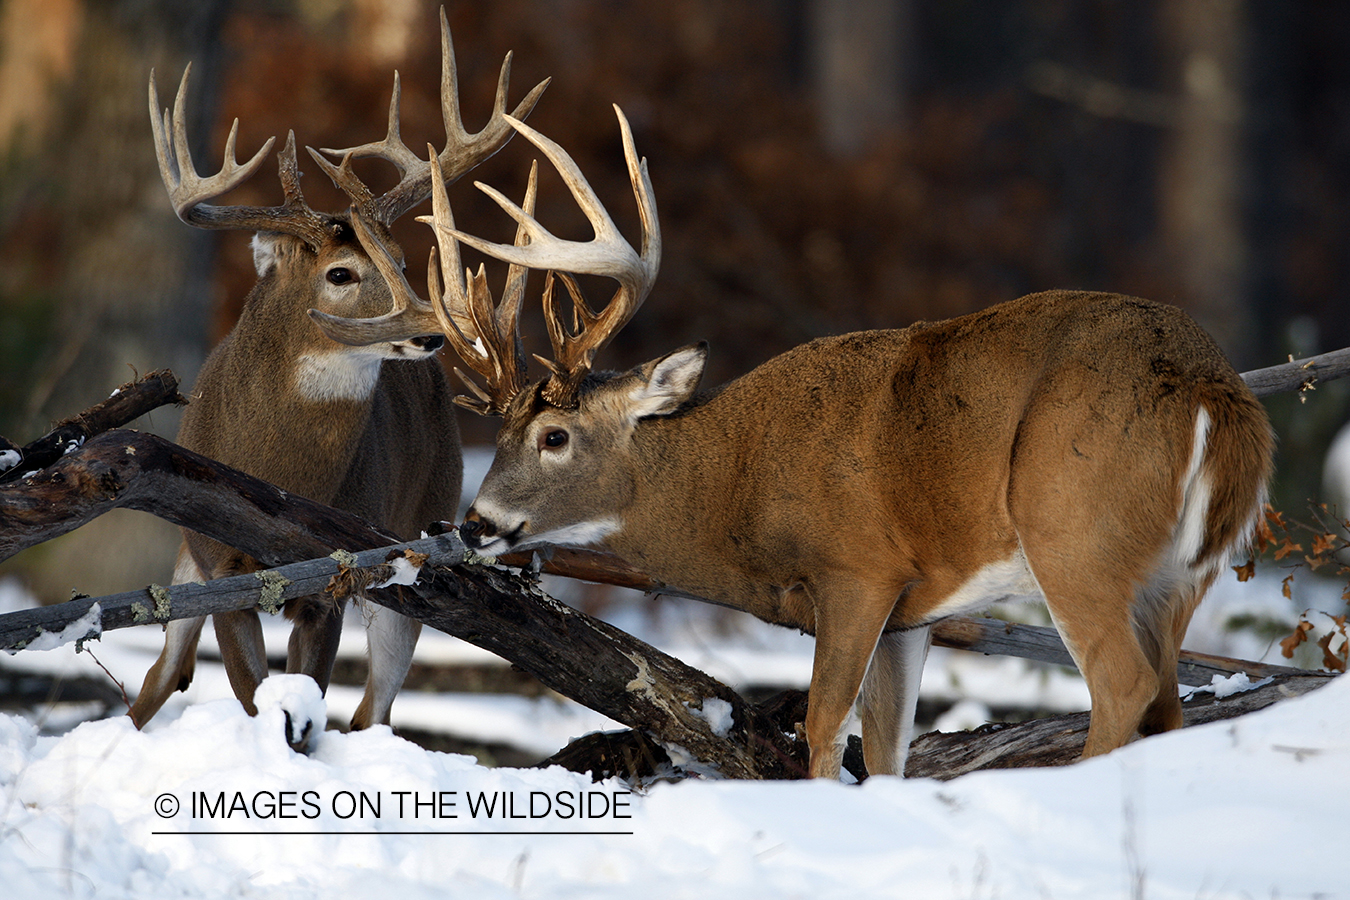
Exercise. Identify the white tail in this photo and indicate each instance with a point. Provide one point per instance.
(299, 393)
(1091, 449)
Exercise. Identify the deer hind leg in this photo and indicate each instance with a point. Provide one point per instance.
(1095, 622)
(172, 671)
(391, 639)
(849, 619)
(239, 634)
(1092, 598)
(177, 662)
(889, 698)
(1172, 619)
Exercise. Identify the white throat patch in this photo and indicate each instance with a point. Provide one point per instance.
(348, 374)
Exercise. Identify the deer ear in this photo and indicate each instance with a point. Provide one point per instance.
(265, 251)
(667, 383)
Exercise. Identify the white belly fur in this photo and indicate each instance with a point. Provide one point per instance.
(1006, 580)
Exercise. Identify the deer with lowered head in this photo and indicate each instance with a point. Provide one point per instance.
(1092, 450)
(366, 425)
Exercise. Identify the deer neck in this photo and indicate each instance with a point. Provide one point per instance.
(258, 401)
(671, 532)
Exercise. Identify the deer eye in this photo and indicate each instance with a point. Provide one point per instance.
(553, 440)
(340, 275)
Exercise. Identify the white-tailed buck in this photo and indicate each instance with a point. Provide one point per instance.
(1090, 449)
(359, 422)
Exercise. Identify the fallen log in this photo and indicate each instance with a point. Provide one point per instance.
(127, 403)
(489, 606)
(1048, 741)
(1058, 740)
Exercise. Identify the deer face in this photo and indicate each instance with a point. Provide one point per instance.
(566, 476)
(337, 278)
(340, 279)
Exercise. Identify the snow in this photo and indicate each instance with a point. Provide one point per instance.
(87, 626)
(404, 573)
(1222, 687)
(214, 804)
(717, 713)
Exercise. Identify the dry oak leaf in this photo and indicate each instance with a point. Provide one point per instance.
(1287, 548)
(1287, 645)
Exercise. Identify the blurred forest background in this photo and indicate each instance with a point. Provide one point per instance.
(820, 166)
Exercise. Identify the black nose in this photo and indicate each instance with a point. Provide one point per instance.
(471, 532)
(430, 342)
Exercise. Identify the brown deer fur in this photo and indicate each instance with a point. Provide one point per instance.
(860, 487)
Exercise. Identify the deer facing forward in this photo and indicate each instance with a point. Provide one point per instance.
(1093, 450)
(364, 425)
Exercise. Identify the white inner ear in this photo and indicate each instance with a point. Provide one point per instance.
(671, 383)
(264, 252)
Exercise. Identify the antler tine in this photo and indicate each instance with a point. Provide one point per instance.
(608, 254)
(486, 336)
(463, 150)
(344, 177)
(189, 191)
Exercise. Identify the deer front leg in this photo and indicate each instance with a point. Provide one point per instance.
(316, 631)
(177, 662)
(239, 634)
(391, 639)
(848, 624)
(889, 698)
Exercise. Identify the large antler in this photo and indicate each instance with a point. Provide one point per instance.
(188, 191)
(462, 150)
(485, 336)
(608, 254)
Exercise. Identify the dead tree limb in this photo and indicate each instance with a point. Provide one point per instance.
(1058, 740)
(267, 589)
(491, 607)
(128, 403)
(978, 635)
(1299, 374)
(132, 470)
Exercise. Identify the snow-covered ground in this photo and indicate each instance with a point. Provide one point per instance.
(210, 803)
(214, 804)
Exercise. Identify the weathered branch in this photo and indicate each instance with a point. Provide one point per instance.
(978, 635)
(1058, 740)
(128, 403)
(131, 470)
(581, 657)
(1299, 374)
(267, 589)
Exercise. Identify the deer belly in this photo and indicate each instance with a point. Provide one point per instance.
(1009, 579)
